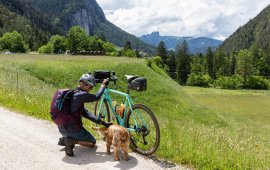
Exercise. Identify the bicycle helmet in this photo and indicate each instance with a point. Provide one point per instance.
(88, 79)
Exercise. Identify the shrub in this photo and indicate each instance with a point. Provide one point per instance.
(226, 82)
(129, 53)
(13, 41)
(199, 80)
(158, 61)
(46, 49)
(256, 82)
(110, 49)
(58, 43)
(149, 62)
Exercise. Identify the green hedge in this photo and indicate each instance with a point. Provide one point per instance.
(226, 82)
(199, 80)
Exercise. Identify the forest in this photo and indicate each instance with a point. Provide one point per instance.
(248, 69)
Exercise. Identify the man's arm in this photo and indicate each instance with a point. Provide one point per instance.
(95, 119)
(94, 97)
(90, 116)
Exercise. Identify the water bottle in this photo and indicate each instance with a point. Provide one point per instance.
(122, 109)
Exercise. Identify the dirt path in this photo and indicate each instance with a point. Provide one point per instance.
(28, 143)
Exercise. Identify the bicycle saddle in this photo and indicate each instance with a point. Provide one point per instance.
(130, 77)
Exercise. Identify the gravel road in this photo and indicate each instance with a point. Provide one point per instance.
(29, 143)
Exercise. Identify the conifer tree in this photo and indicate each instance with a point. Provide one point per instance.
(162, 51)
(171, 63)
(209, 63)
(127, 46)
(183, 62)
(243, 65)
(232, 64)
(196, 66)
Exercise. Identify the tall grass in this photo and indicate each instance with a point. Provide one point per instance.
(204, 128)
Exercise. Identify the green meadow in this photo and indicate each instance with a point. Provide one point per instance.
(202, 128)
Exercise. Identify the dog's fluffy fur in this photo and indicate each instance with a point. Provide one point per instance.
(117, 136)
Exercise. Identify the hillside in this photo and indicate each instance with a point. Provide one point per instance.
(255, 32)
(89, 15)
(196, 45)
(34, 26)
(194, 131)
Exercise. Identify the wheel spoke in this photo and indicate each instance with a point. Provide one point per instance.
(145, 139)
(104, 111)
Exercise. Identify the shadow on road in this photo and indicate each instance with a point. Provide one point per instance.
(84, 155)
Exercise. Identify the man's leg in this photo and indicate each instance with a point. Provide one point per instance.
(87, 144)
(61, 141)
(85, 138)
(69, 145)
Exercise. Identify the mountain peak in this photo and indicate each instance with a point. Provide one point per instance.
(196, 44)
(64, 14)
(156, 33)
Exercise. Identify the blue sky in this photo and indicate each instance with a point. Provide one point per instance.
(210, 18)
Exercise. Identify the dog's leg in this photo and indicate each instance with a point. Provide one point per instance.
(108, 144)
(116, 153)
(116, 147)
(125, 149)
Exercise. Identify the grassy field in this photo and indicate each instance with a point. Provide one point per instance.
(202, 128)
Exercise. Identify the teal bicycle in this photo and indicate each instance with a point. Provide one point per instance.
(137, 118)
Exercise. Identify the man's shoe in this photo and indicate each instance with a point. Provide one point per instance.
(61, 141)
(69, 145)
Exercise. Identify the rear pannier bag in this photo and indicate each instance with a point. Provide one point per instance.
(100, 75)
(138, 84)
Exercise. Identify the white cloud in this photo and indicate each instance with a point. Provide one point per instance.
(211, 18)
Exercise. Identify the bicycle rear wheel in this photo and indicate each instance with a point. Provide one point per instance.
(146, 138)
(104, 111)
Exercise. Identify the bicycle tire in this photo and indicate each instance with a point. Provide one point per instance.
(135, 136)
(104, 116)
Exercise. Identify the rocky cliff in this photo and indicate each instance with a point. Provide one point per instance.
(89, 15)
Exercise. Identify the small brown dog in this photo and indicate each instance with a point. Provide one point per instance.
(117, 136)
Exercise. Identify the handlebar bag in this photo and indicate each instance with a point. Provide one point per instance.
(100, 75)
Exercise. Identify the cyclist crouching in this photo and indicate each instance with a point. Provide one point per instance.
(75, 133)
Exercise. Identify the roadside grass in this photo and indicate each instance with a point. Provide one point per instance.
(203, 128)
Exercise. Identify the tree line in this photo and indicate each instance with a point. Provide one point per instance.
(249, 68)
(76, 40)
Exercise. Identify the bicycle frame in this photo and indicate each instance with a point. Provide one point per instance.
(128, 104)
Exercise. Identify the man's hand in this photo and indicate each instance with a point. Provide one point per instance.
(105, 83)
(106, 124)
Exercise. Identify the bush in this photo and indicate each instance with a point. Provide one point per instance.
(129, 53)
(110, 49)
(149, 62)
(58, 43)
(13, 41)
(225, 82)
(199, 80)
(46, 49)
(256, 82)
(158, 61)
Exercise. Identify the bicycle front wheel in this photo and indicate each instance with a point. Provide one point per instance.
(104, 113)
(146, 137)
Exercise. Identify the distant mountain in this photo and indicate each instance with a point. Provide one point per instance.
(89, 15)
(196, 45)
(37, 20)
(255, 32)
